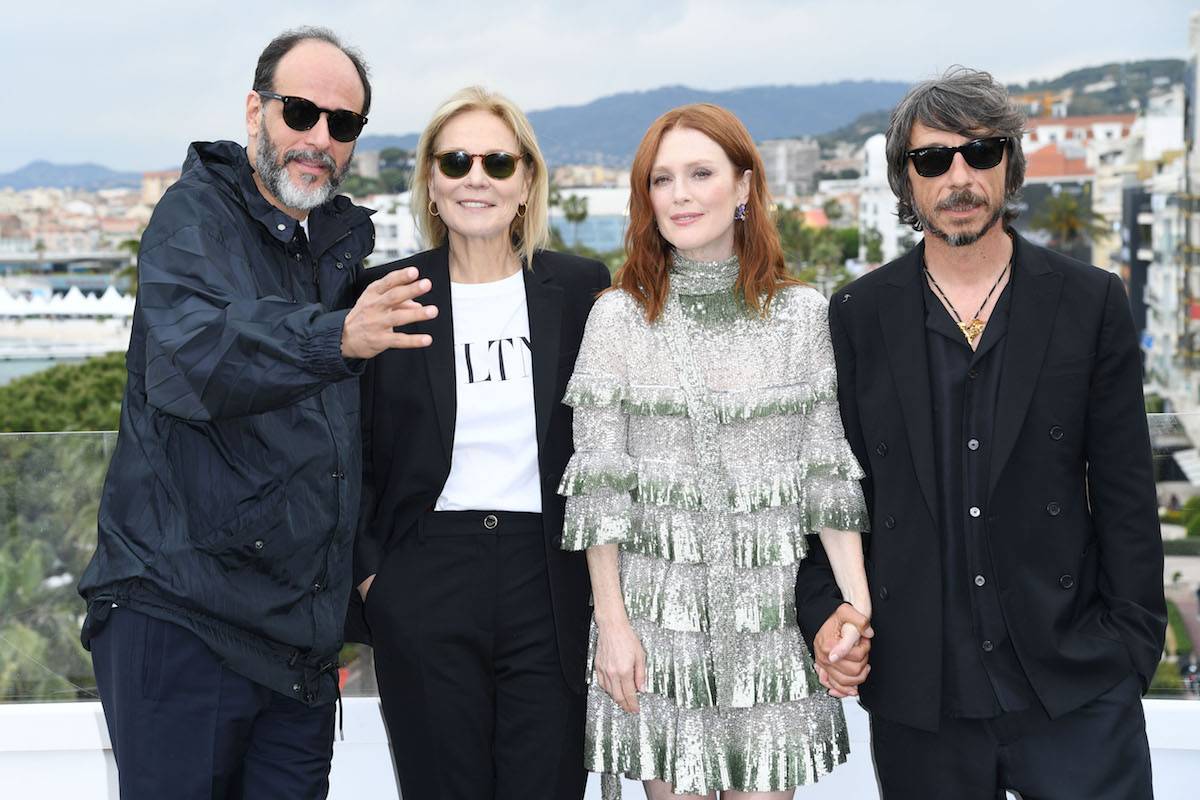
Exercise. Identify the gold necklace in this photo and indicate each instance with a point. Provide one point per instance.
(972, 329)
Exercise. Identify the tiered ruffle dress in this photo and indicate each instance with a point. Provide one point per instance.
(708, 444)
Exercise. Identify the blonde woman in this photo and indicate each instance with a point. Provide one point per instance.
(478, 618)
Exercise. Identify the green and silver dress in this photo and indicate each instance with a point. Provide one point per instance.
(707, 445)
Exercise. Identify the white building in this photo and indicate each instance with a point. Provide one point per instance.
(877, 204)
(395, 229)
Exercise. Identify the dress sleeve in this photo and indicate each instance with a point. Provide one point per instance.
(833, 497)
(599, 479)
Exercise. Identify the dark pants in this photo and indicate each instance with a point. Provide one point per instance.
(185, 727)
(467, 660)
(1096, 752)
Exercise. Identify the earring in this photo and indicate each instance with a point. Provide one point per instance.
(740, 212)
(521, 209)
(432, 208)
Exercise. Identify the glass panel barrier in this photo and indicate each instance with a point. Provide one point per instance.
(49, 494)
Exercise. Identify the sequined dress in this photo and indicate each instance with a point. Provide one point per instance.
(707, 445)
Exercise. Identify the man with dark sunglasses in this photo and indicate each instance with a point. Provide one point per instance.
(218, 592)
(992, 391)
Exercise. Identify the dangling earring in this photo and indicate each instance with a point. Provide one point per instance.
(432, 207)
(740, 212)
(521, 209)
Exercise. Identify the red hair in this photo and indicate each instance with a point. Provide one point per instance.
(644, 275)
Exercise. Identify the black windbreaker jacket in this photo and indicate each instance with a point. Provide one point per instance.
(232, 496)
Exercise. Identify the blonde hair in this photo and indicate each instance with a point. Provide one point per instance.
(530, 232)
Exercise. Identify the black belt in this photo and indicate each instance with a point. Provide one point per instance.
(465, 523)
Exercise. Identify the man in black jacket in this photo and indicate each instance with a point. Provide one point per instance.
(991, 390)
(218, 589)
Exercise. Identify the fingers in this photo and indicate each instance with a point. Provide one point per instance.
(399, 277)
(405, 315)
(848, 614)
(849, 638)
(628, 693)
(639, 670)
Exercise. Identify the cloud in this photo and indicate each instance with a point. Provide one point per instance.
(129, 83)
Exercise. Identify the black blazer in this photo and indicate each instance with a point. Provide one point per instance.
(1072, 517)
(408, 414)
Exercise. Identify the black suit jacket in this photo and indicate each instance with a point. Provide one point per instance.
(408, 415)
(1071, 513)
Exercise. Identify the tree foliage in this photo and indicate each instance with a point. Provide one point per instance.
(67, 397)
(1068, 220)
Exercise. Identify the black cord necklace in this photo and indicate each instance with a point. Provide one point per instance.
(972, 329)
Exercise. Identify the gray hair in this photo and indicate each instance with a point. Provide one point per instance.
(963, 101)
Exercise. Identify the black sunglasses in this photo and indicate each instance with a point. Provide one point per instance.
(978, 153)
(301, 115)
(497, 164)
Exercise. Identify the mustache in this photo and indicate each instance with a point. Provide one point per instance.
(324, 159)
(961, 198)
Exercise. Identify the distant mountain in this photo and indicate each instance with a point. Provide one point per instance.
(607, 130)
(90, 177)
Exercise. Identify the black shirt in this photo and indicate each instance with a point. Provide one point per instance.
(981, 676)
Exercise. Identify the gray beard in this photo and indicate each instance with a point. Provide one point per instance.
(273, 171)
(964, 238)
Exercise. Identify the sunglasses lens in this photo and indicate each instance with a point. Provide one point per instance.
(932, 161)
(345, 126)
(984, 153)
(454, 164)
(500, 165)
(300, 114)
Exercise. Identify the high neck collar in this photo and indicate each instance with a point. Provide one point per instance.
(703, 277)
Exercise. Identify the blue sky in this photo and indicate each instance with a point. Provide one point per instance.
(129, 83)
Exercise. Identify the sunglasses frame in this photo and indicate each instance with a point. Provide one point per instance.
(918, 152)
(331, 114)
(483, 159)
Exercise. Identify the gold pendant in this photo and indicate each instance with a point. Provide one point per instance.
(971, 329)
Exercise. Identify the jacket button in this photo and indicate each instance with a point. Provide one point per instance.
(337, 475)
(980, 580)
(890, 522)
(259, 544)
(988, 646)
(881, 448)
(883, 593)
(490, 522)
(1066, 581)
(296, 688)
(972, 444)
(1053, 508)
(1056, 432)
(316, 588)
(340, 265)
(974, 512)
(346, 256)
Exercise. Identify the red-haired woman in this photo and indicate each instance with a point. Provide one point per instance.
(707, 447)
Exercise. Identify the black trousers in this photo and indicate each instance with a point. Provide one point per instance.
(467, 660)
(1096, 752)
(185, 727)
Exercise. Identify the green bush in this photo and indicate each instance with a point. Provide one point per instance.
(1166, 679)
(67, 397)
(1171, 517)
(1183, 640)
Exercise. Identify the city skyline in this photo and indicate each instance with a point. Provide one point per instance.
(120, 86)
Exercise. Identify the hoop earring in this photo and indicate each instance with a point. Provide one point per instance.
(740, 212)
(432, 208)
(521, 209)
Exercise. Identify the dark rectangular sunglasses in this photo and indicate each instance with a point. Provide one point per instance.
(497, 164)
(978, 153)
(302, 115)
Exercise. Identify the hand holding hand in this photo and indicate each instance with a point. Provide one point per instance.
(384, 305)
(841, 646)
(621, 664)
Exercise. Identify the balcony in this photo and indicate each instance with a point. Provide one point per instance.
(54, 744)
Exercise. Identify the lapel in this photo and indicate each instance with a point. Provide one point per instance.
(1035, 293)
(902, 317)
(439, 356)
(544, 302)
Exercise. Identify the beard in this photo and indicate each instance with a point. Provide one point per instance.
(959, 200)
(272, 168)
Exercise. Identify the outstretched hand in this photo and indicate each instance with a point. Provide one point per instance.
(841, 647)
(385, 305)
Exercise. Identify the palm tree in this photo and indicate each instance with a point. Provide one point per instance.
(575, 209)
(128, 273)
(1068, 221)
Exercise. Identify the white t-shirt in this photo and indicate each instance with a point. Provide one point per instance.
(494, 466)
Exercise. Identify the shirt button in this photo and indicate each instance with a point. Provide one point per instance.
(890, 522)
(881, 449)
(490, 522)
(980, 580)
(988, 646)
(972, 444)
(299, 257)
(1053, 508)
(282, 227)
(1066, 581)
(974, 511)
(1056, 432)
(972, 374)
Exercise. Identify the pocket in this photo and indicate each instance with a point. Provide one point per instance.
(247, 526)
